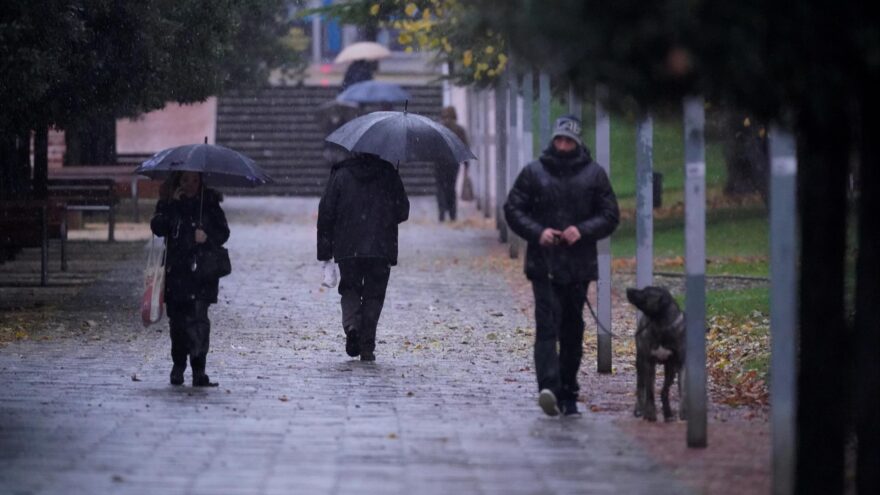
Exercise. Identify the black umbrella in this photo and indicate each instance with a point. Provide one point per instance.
(374, 92)
(401, 137)
(219, 166)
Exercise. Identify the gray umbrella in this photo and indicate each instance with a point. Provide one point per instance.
(401, 137)
(374, 92)
(219, 165)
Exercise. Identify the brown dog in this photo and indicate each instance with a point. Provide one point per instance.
(660, 338)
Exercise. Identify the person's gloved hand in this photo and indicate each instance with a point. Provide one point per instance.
(329, 274)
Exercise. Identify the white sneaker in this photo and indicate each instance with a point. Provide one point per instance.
(547, 401)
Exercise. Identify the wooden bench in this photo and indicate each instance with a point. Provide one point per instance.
(87, 194)
(31, 223)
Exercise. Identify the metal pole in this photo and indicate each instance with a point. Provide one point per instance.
(474, 138)
(528, 100)
(316, 35)
(603, 286)
(512, 146)
(500, 159)
(574, 103)
(478, 150)
(447, 87)
(488, 162)
(783, 307)
(543, 110)
(695, 268)
(645, 201)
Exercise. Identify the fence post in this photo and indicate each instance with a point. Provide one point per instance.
(472, 133)
(513, 145)
(575, 107)
(695, 268)
(489, 163)
(543, 110)
(783, 307)
(603, 286)
(644, 201)
(501, 96)
(527, 138)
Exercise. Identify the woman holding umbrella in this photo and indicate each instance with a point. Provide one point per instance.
(188, 215)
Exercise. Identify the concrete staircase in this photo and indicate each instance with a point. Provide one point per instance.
(276, 126)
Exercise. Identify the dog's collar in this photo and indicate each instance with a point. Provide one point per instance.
(678, 321)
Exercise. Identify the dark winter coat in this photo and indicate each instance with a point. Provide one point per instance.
(359, 212)
(176, 221)
(358, 71)
(557, 192)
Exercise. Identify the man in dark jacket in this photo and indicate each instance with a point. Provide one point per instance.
(561, 205)
(357, 226)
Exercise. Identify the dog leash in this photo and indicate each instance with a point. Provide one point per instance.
(596, 318)
(546, 255)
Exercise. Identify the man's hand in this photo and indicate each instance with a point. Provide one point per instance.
(549, 237)
(177, 193)
(201, 236)
(571, 235)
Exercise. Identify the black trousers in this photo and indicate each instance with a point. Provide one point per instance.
(190, 333)
(445, 175)
(362, 285)
(559, 318)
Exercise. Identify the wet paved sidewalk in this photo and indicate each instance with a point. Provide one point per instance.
(448, 407)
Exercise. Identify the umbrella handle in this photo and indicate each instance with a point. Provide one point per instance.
(201, 201)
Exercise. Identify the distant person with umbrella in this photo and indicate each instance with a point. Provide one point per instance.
(358, 71)
(446, 173)
(357, 227)
(188, 215)
(364, 57)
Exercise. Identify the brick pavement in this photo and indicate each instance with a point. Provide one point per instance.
(449, 406)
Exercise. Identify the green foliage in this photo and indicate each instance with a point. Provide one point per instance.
(738, 303)
(65, 60)
(450, 28)
(738, 236)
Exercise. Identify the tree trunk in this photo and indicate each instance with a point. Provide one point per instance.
(823, 153)
(91, 142)
(41, 162)
(867, 318)
(746, 156)
(15, 170)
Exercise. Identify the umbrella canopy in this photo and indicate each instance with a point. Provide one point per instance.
(220, 166)
(401, 137)
(374, 92)
(362, 50)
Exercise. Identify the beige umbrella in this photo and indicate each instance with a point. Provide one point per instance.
(362, 50)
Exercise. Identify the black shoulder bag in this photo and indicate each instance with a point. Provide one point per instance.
(211, 262)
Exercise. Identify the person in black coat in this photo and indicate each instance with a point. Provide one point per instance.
(446, 173)
(561, 204)
(357, 226)
(189, 217)
(358, 71)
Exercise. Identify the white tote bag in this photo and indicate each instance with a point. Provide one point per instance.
(153, 302)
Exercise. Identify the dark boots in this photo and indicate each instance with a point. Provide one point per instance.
(200, 379)
(352, 341)
(177, 374)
